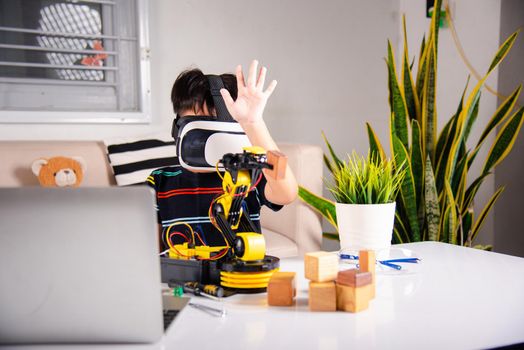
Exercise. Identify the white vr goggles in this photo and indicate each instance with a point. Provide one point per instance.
(201, 141)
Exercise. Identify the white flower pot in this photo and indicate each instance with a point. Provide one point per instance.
(365, 226)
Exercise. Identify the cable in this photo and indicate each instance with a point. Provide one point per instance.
(181, 223)
(218, 171)
(462, 54)
(257, 182)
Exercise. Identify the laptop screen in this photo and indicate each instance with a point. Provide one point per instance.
(79, 265)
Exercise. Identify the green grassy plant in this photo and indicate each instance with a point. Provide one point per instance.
(365, 180)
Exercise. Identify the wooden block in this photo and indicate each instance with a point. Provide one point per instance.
(354, 278)
(321, 266)
(367, 263)
(281, 289)
(322, 296)
(279, 162)
(353, 299)
(367, 260)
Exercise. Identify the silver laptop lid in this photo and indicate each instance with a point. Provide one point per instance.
(79, 265)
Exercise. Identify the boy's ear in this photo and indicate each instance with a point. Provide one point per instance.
(37, 165)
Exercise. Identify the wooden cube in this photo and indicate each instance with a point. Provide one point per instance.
(321, 266)
(281, 289)
(353, 299)
(367, 262)
(322, 296)
(279, 162)
(354, 278)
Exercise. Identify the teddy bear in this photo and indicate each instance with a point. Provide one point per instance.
(59, 171)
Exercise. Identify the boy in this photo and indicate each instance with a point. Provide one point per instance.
(183, 196)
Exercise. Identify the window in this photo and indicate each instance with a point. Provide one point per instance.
(74, 61)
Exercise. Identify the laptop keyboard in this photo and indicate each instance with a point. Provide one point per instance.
(169, 316)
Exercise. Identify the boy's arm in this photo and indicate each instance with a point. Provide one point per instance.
(247, 110)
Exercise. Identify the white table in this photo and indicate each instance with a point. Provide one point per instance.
(460, 298)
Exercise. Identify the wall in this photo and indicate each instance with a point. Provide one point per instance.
(328, 64)
(477, 24)
(510, 173)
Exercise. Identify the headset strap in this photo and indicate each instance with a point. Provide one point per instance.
(215, 84)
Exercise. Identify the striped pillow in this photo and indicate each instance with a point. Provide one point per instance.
(133, 159)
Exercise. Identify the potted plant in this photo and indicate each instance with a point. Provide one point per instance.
(437, 194)
(365, 189)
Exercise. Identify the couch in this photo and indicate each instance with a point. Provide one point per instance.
(292, 231)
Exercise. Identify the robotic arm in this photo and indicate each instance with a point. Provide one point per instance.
(229, 215)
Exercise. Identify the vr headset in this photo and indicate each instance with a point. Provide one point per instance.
(201, 141)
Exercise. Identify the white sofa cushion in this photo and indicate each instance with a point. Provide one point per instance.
(279, 245)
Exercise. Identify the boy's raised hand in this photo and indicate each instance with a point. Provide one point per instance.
(251, 100)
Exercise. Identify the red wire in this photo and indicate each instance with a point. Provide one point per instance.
(173, 246)
(199, 238)
(257, 182)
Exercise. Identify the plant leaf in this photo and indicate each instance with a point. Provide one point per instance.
(331, 235)
(471, 192)
(398, 103)
(410, 92)
(397, 239)
(431, 202)
(407, 188)
(401, 229)
(452, 218)
(444, 229)
(422, 65)
(435, 22)
(374, 143)
(503, 51)
(429, 111)
(417, 160)
(502, 112)
(459, 173)
(464, 115)
(322, 205)
(505, 141)
(422, 47)
(442, 139)
(467, 222)
(471, 119)
(487, 247)
(328, 164)
(484, 213)
(500, 115)
(336, 160)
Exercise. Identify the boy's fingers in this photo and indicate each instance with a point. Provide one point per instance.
(252, 74)
(228, 100)
(261, 78)
(270, 88)
(240, 78)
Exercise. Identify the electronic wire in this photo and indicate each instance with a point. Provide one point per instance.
(462, 54)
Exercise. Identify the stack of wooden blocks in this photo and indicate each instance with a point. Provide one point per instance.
(330, 290)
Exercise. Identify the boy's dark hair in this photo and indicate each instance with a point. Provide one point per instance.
(191, 91)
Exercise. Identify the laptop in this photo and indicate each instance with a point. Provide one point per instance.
(80, 266)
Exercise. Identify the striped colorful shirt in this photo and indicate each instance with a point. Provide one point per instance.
(185, 197)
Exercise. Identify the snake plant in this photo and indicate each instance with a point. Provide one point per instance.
(436, 198)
